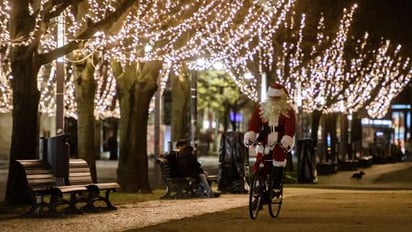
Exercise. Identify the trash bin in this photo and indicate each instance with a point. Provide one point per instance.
(233, 160)
(58, 152)
(306, 161)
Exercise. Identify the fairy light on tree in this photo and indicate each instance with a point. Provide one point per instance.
(176, 31)
(331, 81)
(235, 43)
(238, 33)
(30, 26)
(212, 24)
(234, 36)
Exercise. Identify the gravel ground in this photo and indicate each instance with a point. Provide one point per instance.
(128, 216)
(331, 211)
(377, 202)
(304, 209)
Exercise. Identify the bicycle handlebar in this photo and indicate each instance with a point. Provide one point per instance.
(254, 142)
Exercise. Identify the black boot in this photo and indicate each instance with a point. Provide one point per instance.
(277, 173)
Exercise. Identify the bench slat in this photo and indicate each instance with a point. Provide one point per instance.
(79, 174)
(41, 182)
(72, 188)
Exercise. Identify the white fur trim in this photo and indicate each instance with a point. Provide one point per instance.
(272, 138)
(267, 149)
(287, 142)
(259, 149)
(279, 163)
(274, 121)
(275, 92)
(248, 136)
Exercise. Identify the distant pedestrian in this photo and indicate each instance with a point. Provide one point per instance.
(408, 149)
(112, 146)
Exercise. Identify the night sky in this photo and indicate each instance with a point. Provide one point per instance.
(391, 19)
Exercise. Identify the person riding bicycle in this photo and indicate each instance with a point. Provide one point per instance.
(273, 125)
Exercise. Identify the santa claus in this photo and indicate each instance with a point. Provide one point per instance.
(273, 125)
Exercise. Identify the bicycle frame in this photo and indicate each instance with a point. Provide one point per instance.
(261, 190)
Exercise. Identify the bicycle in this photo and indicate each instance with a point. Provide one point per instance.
(261, 190)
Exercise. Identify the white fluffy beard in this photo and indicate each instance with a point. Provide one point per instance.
(271, 110)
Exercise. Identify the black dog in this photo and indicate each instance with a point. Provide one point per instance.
(358, 175)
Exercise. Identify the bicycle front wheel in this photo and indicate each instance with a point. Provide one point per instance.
(255, 196)
(275, 198)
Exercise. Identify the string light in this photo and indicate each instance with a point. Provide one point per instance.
(234, 33)
(329, 82)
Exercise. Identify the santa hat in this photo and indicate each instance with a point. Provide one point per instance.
(277, 90)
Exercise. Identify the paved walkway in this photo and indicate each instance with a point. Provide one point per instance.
(380, 201)
(377, 176)
(308, 210)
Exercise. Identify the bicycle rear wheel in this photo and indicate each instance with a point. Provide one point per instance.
(276, 198)
(256, 195)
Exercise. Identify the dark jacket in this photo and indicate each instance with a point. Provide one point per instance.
(187, 164)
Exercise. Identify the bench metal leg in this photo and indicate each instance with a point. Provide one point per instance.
(57, 199)
(94, 196)
(38, 207)
(106, 199)
(166, 195)
(71, 208)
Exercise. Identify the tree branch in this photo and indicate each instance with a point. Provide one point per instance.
(88, 33)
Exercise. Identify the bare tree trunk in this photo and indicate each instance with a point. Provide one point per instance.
(314, 131)
(25, 137)
(331, 121)
(136, 87)
(343, 148)
(355, 135)
(180, 106)
(85, 93)
(315, 126)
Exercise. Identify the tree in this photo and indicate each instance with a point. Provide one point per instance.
(181, 96)
(229, 31)
(85, 90)
(29, 23)
(220, 94)
(136, 84)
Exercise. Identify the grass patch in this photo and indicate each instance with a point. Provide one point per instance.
(117, 198)
(121, 198)
(291, 177)
(9, 212)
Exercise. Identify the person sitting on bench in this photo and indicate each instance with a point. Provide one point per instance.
(187, 165)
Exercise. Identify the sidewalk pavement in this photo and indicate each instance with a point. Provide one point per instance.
(307, 207)
(394, 176)
(378, 176)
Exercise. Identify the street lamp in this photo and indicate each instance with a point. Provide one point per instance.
(60, 78)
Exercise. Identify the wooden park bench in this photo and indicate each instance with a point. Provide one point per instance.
(79, 174)
(45, 195)
(178, 187)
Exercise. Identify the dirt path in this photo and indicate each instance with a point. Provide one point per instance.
(318, 211)
(306, 208)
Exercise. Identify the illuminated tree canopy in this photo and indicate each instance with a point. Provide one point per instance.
(234, 33)
(347, 75)
(228, 31)
(335, 73)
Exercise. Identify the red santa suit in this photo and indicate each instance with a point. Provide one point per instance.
(275, 130)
